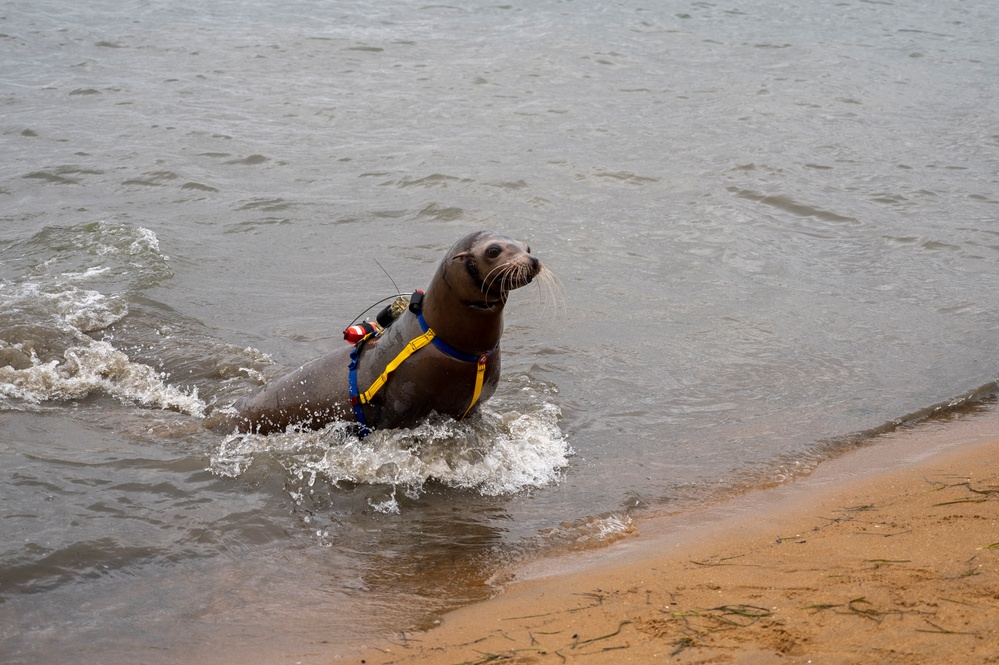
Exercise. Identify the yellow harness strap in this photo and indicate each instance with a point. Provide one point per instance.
(480, 374)
(411, 348)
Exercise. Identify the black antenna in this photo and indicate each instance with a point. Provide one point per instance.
(386, 274)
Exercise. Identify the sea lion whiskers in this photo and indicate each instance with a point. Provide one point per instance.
(549, 289)
(489, 281)
(499, 274)
(511, 275)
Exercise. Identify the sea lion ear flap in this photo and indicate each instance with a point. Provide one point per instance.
(460, 256)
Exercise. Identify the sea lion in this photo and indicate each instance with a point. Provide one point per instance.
(440, 355)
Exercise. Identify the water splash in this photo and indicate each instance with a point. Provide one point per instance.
(501, 452)
(91, 368)
(60, 307)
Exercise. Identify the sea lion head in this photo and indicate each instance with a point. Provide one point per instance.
(483, 267)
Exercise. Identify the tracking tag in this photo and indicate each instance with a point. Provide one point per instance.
(416, 302)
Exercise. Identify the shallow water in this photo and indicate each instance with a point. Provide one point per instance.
(774, 226)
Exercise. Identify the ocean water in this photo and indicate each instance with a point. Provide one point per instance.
(775, 225)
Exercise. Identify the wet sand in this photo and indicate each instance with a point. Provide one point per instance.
(886, 554)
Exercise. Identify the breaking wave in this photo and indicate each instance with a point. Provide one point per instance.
(55, 289)
(96, 367)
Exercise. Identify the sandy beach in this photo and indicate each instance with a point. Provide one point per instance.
(886, 554)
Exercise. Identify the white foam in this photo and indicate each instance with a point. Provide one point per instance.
(496, 454)
(111, 239)
(389, 506)
(87, 311)
(96, 367)
(62, 307)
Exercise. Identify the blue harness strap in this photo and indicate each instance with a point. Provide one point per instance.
(355, 401)
(440, 344)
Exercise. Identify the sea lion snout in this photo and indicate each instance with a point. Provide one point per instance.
(521, 270)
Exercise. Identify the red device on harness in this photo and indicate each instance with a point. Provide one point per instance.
(385, 318)
(356, 333)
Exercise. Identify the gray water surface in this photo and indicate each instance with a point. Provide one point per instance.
(774, 224)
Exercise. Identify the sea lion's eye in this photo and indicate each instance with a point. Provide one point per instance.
(493, 251)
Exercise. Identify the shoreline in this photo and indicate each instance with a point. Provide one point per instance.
(889, 551)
